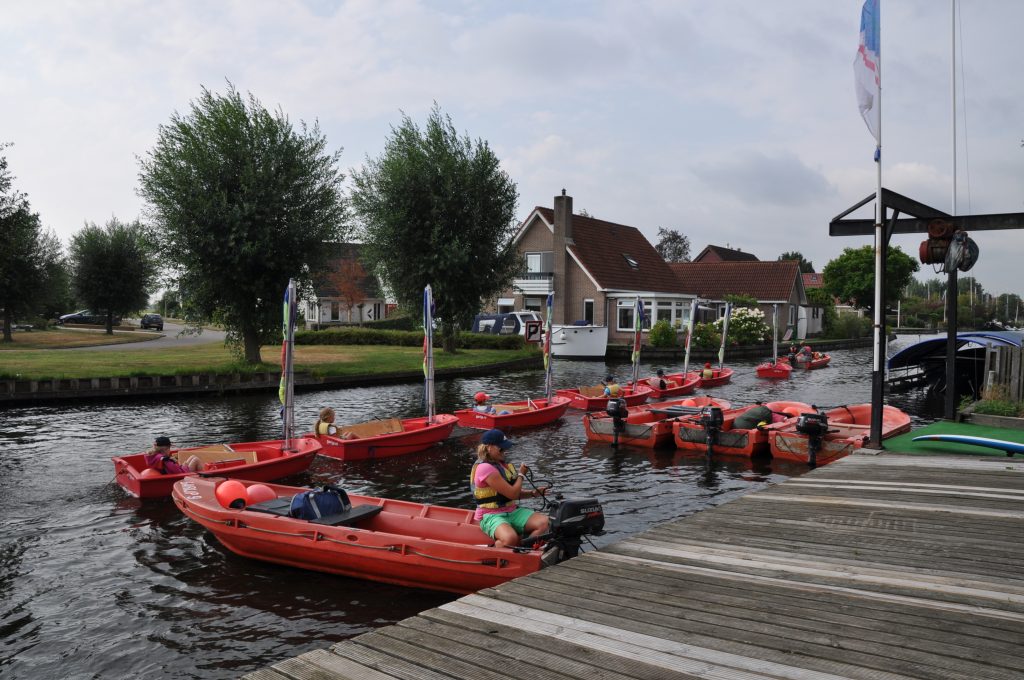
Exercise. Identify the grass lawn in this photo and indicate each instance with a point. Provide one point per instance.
(57, 339)
(324, 360)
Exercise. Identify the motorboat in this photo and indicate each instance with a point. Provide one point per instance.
(823, 437)
(676, 385)
(692, 433)
(592, 397)
(648, 425)
(514, 414)
(387, 437)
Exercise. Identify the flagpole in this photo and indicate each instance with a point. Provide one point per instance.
(428, 352)
(638, 314)
(725, 333)
(689, 337)
(548, 386)
(288, 365)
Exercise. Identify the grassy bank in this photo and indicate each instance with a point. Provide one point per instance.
(57, 339)
(323, 360)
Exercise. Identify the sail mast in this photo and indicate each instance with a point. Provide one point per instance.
(689, 337)
(428, 352)
(725, 333)
(286, 392)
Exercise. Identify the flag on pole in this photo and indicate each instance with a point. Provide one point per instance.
(547, 348)
(866, 69)
(725, 334)
(428, 352)
(638, 324)
(285, 324)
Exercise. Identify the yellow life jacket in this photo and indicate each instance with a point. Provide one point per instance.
(323, 428)
(485, 496)
(708, 373)
(613, 389)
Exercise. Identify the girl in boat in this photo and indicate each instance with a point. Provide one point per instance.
(160, 459)
(708, 373)
(496, 487)
(611, 388)
(324, 425)
(482, 406)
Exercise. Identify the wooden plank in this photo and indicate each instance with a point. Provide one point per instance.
(265, 674)
(368, 655)
(917, 507)
(323, 665)
(908, 486)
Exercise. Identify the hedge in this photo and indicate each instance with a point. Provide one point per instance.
(371, 336)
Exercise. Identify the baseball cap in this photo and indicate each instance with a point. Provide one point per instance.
(497, 438)
(163, 441)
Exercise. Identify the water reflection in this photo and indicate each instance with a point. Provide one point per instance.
(94, 583)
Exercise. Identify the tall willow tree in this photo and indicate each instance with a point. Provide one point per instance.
(242, 201)
(437, 208)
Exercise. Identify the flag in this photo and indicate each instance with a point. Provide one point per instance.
(637, 326)
(866, 65)
(285, 324)
(547, 330)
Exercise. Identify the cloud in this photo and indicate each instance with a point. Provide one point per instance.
(755, 177)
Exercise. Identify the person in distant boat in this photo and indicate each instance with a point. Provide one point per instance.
(160, 459)
(481, 405)
(660, 382)
(708, 373)
(496, 487)
(324, 425)
(805, 353)
(611, 388)
(793, 352)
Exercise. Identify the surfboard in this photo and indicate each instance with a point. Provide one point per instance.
(1009, 447)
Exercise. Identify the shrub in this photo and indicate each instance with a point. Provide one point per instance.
(662, 334)
(355, 335)
(706, 336)
(396, 322)
(746, 327)
(850, 326)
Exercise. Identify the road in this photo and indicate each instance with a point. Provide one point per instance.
(170, 338)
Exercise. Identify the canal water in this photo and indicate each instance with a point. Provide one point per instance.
(96, 584)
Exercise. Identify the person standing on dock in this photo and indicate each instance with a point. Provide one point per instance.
(496, 487)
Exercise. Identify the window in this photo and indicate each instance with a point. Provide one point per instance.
(335, 311)
(533, 263)
(814, 312)
(633, 264)
(588, 311)
(625, 318)
(792, 315)
(533, 304)
(664, 311)
(625, 314)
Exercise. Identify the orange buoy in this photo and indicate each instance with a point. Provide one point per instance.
(149, 473)
(231, 494)
(257, 493)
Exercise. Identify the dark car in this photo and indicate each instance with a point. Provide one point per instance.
(87, 317)
(152, 321)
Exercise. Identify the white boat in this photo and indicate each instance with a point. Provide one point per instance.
(579, 342)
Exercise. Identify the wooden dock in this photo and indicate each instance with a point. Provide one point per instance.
(878, 567)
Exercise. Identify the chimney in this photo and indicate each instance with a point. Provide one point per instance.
(562, 238)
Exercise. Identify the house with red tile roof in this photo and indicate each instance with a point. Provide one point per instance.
(720, 254)
(770, 283)
(345, 292)
(596, 269)
(815, 280)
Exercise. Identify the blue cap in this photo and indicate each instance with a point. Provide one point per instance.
(497, 438)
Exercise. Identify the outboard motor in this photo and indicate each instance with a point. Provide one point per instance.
(618, 412)
(711, 419)
(571, 520)
(815, 426)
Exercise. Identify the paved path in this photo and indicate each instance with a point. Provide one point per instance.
(877, 568)
(170, 337)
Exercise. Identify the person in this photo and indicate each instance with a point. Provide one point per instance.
(758, 416)
(496, 487)
(804, 354)
(660, 382)
(708, 373)
(792, 353)
(611, 388)
(325, 422)
(482, 406)
(160, 459)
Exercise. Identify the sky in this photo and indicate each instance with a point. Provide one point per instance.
(734, 122)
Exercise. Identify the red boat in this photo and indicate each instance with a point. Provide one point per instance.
(719, 376)
(529, 413)
(848, 428)
(691, 435)
(778, 370)
(378, 539)
(593, 399)
(677, 384)
(388, 437)
(647, 425)
(258, 461)
(818, 361)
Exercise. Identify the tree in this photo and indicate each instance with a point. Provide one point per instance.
(806, 266)
(437, 209)
(347, 281)
(31, 259)
(739, 300)
(113, 268)
(242, 201)
(851, 276)
(673, 246)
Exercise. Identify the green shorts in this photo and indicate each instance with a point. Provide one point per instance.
(517, 518)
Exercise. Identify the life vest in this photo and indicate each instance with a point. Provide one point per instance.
(486, 497)
(707, 373)
(613, 389)
(324, 427)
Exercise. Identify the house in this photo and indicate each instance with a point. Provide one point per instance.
(815, 280)
(770, 283)
(345, 292)
(596, 269)
(720, 254)
(813, 313)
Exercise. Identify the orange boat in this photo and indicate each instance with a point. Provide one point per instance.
(378, 539)
(259, 461)
(529, 413)
(647, 425)
(387, 437)
(719, 376)
(677, 384)
(690, 433)
(593, 399)
(845, 429)
(774, 370)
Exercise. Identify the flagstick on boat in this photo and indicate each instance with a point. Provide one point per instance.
(394, 437)
(528, 413)
(720, 375)
(286, 392)
(689, 336)
(638, 323)
(775, 369)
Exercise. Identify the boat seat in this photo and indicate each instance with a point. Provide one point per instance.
(592, 390)
(511, 408)
(373, 428)
(217, 453)
(282, 506)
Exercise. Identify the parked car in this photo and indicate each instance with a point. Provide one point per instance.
(152, 321)
(85, 316)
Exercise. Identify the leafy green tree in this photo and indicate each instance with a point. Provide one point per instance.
(673, 246)
(739, 300)
(31, 259)
(242, 201)
(113, 268)
(806, 266)
(437, 209)
(851, 276)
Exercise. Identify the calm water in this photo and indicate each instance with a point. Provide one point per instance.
(96, 584)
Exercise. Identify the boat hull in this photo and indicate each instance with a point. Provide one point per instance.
(684, 384)
(579, 342)
(416, 435)
(407, 544)
(632, 397)
(720, 377)
(849, 429)
(271, 465)
(530, 413)
(774, 371)
(644, 425)
(689, 435)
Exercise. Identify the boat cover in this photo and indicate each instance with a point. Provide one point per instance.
(915, 354)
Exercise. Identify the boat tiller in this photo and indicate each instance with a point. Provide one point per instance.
(815, 426)
(618, 412)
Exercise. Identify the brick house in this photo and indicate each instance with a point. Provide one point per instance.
(345, 292)
(770, 283)
(720, 254)
(596, 269)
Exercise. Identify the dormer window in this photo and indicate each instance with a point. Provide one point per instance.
(631, 262)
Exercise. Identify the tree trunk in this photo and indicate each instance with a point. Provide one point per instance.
(449, 338)
(110, 323)
(251, 343)
(8, 323)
